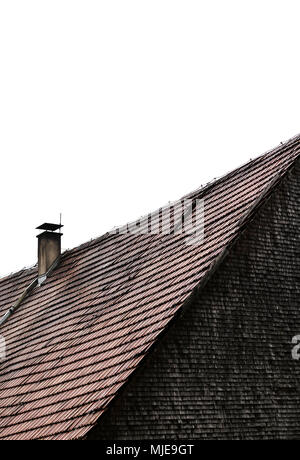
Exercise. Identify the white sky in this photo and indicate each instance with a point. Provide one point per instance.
(109, 109)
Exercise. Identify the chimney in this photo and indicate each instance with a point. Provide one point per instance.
(49, 247)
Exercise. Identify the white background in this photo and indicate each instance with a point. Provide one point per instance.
(109, 109)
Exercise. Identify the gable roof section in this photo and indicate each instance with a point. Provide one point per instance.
(75, 341)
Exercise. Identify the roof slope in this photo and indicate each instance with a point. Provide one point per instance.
(75, 341)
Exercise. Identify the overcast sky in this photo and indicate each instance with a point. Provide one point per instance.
(109, 109)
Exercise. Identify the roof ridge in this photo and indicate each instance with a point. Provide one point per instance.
(276, 150)
(94, 241)
(19, 272)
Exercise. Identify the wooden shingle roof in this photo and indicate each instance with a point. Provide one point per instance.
(75, 341)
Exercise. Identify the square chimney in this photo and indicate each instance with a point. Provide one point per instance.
(49, 246)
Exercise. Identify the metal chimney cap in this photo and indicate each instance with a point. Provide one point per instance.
(49, 227)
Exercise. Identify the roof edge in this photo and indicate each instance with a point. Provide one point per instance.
(282, 146)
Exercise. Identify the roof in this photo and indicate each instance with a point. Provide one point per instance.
(75, 341)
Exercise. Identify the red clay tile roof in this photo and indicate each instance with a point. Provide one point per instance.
(75, 341)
